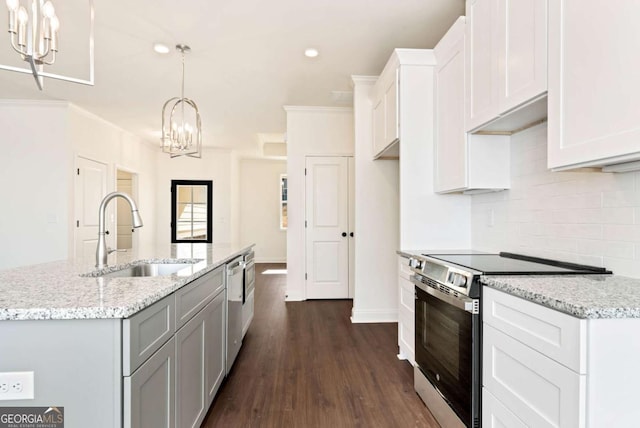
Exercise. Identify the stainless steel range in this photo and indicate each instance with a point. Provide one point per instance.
(448, 325)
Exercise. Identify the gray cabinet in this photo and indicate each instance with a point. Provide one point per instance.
(174, 356)
(149, 393)
(190, 391)
(215, 345)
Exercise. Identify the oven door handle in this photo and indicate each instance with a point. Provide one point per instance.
(465, 303)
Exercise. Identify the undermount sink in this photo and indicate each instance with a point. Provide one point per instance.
(148, 269)
(142, 269)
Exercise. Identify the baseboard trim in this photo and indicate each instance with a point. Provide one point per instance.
(373, 316)
(264, 260)
(294, 296)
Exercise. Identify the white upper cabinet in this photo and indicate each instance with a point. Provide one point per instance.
(506, 64)
(462, 162)
(594, 107)
(385, 114)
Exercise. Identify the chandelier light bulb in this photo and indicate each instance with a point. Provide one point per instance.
(48, 10)
(55, 24)
(23, 16)
(12, 5)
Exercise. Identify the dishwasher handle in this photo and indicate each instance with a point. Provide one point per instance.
(235, 268)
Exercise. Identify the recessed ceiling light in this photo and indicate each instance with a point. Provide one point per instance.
(311, 52)
(161, 48)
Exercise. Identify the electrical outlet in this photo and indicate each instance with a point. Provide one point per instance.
(16, 386)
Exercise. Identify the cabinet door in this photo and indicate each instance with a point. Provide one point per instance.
(481, 67)
(538, 390)
(190, 371)
(522, 51)
(378, 125)
(392, 126)
(215, 351)
(451, 140)
(149, 393)
(593, 83)
(495, 415)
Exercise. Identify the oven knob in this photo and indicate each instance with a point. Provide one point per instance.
(415, 263)
(458, 280)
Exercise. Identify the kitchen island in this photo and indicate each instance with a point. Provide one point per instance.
(115, 351)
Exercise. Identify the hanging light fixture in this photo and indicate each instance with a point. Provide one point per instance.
(181, 127)
(34, 36)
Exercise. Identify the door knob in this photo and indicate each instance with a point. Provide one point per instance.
(344, 234)
(351, 234)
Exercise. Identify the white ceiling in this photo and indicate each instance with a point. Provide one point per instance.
(246, 62)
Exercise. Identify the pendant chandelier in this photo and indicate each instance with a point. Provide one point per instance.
(34, 35)
(181, 127)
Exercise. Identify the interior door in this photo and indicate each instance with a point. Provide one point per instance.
(327, 228)
(90, 188)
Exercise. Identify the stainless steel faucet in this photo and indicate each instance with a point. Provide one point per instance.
(102, 251)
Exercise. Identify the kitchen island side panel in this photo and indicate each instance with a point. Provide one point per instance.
(76, 365)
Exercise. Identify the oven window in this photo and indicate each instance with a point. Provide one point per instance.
(442, 337)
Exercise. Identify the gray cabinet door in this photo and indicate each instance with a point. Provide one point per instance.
(215, 343)
(149, 393)
(190, 391)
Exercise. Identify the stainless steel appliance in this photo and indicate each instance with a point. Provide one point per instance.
(235, 271)
(248, 295)
(448, 325)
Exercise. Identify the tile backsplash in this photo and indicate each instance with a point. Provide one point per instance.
(583, 216)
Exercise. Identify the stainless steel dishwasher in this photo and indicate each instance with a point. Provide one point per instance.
(235, 273)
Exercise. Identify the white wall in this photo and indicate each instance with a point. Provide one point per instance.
(35, 176)
(42, 139)
(310, 131)
(376, 220)
(94, 138)
(259, 193)
(583, 216)
(215, 165)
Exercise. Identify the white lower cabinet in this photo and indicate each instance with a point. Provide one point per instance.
(542, 392)
(149, 393)
(496, 415)
(406, 312)
(546, 368)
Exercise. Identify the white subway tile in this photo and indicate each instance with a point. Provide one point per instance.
(621, 232)
(590, 260)
(623, 215)
(621, 198)
(622, 267)
(620, 250)
(590, 247)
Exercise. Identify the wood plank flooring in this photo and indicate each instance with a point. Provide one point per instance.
(303, 364)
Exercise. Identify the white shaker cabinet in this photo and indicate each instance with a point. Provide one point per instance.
(463, 162)
(594, 105)
(545, 368)
(406, 312)
(506, 68)
(385, 113)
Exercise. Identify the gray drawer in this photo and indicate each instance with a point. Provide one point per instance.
(145, 332)
(194, 296)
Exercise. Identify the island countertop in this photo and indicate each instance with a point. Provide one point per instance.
(56, 290)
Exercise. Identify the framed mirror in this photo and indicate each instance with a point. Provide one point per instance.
(191, 211)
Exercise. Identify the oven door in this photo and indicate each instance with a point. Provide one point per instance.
(447, 348)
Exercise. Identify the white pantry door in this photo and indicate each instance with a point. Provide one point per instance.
(327, 227)
(90, 188)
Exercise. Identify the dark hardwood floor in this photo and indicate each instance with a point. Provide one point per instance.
(303, 364)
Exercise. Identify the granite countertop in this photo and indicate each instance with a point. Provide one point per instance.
(583, 296)
(56, 290)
